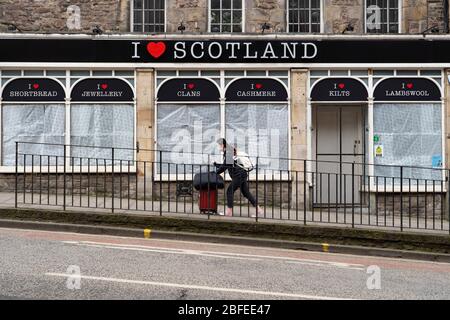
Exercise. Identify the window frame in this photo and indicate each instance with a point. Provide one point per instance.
(399, 22)
(164, 23)
(321, 28)
(209, 19)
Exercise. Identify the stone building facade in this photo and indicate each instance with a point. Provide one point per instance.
(145, 62)
(114, 15)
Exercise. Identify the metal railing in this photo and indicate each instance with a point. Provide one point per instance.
(306, 192)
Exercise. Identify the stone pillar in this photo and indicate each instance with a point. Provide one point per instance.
(145, 115)
(338, 14)
(299, 127)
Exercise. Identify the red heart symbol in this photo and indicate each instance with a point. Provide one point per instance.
(36, 86)
(341, 86)
(409, 85)
(191, 86)
(104, 86)
(156, 49)
(258, 86)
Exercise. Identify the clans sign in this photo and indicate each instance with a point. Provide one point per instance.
(188, 90)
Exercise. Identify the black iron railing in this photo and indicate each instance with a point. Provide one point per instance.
(303, 191)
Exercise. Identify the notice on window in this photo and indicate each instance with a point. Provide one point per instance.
(436, 161)
(379, 150)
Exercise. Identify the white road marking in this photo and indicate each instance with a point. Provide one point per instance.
(321, 265)
(190, 252)
(196, 287)
(241, 256)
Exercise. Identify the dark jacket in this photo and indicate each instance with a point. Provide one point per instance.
(233, 169)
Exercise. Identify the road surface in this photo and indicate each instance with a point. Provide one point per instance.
(57, 265)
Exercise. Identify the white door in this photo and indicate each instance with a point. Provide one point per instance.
(339, 142)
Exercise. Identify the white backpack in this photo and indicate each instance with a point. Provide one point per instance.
(243, 161)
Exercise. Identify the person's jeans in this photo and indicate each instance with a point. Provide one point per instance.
(239, 182)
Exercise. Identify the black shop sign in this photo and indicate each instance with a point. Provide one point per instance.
(33, 90)
(407, 89)
(258, 89)
(290, 50)
(102, 90)
(188, 90)
(339, 89)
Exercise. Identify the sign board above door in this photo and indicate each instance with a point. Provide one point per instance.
(339, 89)
(251, 50)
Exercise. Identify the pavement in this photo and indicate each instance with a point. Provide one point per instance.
(436, 222)
(61, 265)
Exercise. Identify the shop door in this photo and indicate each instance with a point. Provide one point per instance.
(339, 142)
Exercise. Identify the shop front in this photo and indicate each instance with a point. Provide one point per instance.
(326, 125)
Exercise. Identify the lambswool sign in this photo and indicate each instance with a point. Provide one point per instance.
(407, 89)
(156, 50)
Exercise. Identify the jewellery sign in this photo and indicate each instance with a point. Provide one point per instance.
(188, 90)
(339, 89)
(102, 89)
(293, 50)
(33, 89)
(256, 90)
(407, 89)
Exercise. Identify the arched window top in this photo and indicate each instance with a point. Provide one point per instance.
(188, 90)
(407, 89)
(33, 90)
(256, 89)
(339, 89)
(102, 90)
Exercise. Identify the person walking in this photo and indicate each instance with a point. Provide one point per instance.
(238, 176)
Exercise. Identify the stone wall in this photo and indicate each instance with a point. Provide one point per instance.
(53, 15)
(415, 15)
(338, 14)
(435, 14)
(257, 12)
(114, 15)
(193, 14)
(431, 206)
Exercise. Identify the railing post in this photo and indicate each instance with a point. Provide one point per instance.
(112, 180)
(401, 198)
(304, 192)
(353, 194)
(16, 187)
(64, 178)
(160, 183)
(257, 213)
